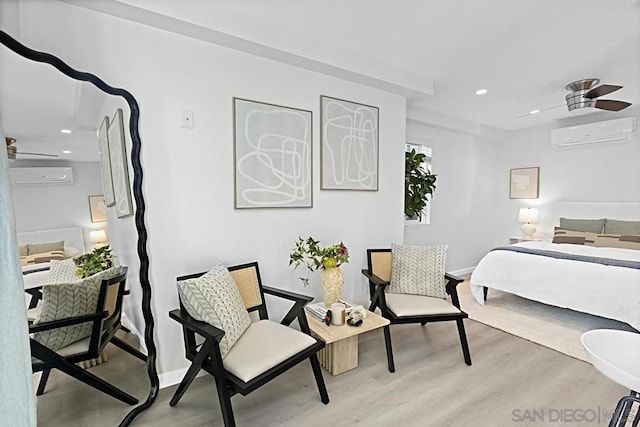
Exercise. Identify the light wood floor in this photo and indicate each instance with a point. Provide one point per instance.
(510, 378)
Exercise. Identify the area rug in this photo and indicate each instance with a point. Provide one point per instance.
(553, 327)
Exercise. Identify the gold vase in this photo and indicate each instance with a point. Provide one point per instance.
(331, 283)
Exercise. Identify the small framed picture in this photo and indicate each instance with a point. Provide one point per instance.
(524, 183)
(98, 208)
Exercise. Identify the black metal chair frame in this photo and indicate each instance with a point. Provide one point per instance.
(103, 332)
(377, 287)
(623, 410)
(207, 356)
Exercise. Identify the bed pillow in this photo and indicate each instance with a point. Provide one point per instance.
(629, 228)
(560, 235)
(38, 248)
(41, 257)
(618, 241)
(24, 250)
(418, 270)
(214, 298)
(586, 225)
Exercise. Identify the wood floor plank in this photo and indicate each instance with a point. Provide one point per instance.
(432, 386)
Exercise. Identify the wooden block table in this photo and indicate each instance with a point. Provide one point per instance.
(341, 351)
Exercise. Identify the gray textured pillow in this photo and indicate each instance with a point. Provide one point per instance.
(418, 270)
(629, 228)
(24, 250)
(64, 300)
(39, 248)
(214, 298)
(587, 225)
(63, 271)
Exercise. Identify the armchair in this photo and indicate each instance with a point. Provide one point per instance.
(263, 351)
(411, 308)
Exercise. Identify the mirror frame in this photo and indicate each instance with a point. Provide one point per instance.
(143, 256)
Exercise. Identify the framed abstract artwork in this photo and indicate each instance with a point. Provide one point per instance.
(119, 168)
(97, 208)
(105, 162)
(524, 183)
(349, 145)
(272, 155)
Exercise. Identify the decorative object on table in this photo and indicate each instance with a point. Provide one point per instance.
(329, 259)
(349, 141)
(338, 315)
(119, 167)
(105, 162)
(528, 217)
(98, 260)
(523, 183)
(356, 312)
(97, 208)
(419, 184)
(272, 153)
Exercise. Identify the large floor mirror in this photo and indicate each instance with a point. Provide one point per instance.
(141, 379)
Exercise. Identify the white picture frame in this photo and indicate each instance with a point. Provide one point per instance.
(105, 162)
(349, 145)
(119, 166)
(272, 155)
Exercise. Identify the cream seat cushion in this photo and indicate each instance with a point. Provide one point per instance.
(77, 347)
(418, 305)
(262, 346)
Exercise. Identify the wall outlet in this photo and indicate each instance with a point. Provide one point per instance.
(187, 119)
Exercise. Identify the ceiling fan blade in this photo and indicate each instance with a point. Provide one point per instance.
(611, 105)
(38, 154)
(601, 90)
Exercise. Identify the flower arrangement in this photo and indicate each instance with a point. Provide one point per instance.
(308, 252)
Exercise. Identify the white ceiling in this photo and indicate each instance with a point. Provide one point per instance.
(523, 52)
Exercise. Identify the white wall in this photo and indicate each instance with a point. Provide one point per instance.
(46, 206)
(189, 172)
(595, 173)
(462, 206)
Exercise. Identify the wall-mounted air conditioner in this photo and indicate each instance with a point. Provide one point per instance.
(616, 130)
(37, 175)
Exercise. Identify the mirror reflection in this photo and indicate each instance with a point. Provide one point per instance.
(67, 235)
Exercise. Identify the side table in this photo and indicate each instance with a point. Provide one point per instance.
(341, 351)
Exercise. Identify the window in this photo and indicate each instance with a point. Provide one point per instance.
(426, 150)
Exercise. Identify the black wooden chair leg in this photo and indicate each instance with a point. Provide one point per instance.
(192, 372)
(463, 342)
(43, 382)
(387, 342)
(485, 291)
(225, 402)
(317, 373)
(129, 349)
(424, 322)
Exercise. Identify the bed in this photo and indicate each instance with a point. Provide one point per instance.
(35, 266)
(591, 277)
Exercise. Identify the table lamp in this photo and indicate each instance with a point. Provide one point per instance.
(528, 216)
(98, 237)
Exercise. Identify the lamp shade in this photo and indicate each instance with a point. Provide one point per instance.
(97, 236)
(528, 215)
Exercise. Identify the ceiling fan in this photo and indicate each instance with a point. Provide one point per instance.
(12, 150)
(585, 94)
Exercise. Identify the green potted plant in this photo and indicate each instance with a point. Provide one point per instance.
(419, 184)
(98, 260)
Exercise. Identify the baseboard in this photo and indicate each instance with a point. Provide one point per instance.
(129, 325)
(463, 271)
(170, 378)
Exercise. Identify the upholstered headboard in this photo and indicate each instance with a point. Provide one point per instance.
(72, 237)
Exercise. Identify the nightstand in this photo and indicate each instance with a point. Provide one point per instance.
(513, 240)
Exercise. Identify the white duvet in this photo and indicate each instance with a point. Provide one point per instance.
(606, 291)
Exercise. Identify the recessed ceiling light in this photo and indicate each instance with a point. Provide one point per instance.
(481, 91)
(534, 111)
(65, 130)
(66, 152)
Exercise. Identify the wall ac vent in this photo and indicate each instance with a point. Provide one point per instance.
(617, 130)
(37, 176)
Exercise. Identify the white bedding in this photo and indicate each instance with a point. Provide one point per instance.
(606, 291)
